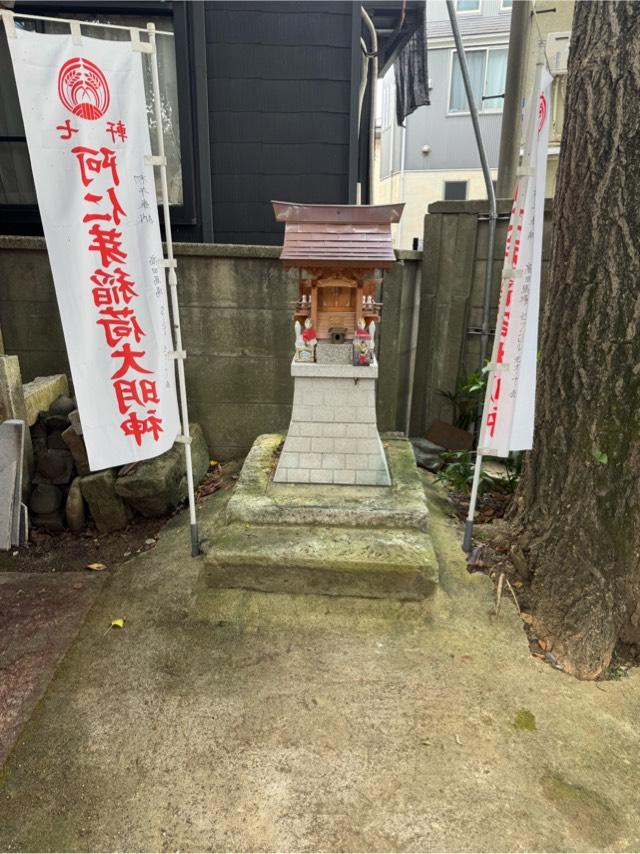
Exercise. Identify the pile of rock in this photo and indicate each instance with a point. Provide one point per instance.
(59, 458)
(65, 491)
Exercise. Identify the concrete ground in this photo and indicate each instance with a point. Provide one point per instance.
(244, 721)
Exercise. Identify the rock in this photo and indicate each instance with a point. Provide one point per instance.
(50, 521)
(450, 437)
(427, 454)
(56, 422)
(156, 486)
(40, 394)
(74, 508)
(55, 466)
(56, 442)
(109, 511)
(75, 444)
(74, 419)
(45, 498)
(62, 405)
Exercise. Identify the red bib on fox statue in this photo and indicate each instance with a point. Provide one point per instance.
(362, 345)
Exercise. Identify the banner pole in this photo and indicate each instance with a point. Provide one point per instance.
(179, 354)
(468, 525)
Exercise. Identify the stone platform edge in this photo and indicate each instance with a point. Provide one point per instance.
(401, 505)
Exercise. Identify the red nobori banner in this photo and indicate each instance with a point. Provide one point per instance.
(509, 408)
(85, 117)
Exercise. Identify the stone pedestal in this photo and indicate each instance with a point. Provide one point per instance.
(369, 541)
(333, 437)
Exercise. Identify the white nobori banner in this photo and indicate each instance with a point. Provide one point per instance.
(85, 116)
(508, 415)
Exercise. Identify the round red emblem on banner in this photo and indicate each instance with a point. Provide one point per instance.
(83, 89)
(542, 112)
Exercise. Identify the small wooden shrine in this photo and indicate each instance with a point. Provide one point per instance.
(340, 252)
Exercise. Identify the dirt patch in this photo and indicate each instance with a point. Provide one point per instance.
(69, 552)
(491, 505)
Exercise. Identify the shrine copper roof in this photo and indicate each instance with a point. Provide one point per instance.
(337, 235)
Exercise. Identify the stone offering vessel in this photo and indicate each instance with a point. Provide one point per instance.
(340, 252)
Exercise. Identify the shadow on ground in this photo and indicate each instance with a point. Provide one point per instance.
(243, 721)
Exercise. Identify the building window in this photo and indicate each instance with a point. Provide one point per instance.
(455, 191)
(17, 189)
(506, 4)
(467, 6)
(488, 74)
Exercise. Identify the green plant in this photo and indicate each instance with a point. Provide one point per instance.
(457, 472)
(467, 398)
(513, 468)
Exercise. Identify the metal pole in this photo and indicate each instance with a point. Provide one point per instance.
(491, 242)
(491, 196)
(512, 112)
(173, 290)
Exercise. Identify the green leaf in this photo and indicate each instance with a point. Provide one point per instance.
(601, 457)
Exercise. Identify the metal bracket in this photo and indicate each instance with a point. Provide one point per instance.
(495, 368)
(512, 273)
(184, 440)
(169, 263)
(155, 160)
(178, 354)
(9, 24)
(524, 172)
(137, 45)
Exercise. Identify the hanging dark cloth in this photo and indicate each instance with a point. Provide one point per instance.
(412, 77)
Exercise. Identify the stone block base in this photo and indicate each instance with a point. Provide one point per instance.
(333, 437)
(333, 540)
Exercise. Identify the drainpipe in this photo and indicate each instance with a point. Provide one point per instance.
(373, 55)
(491, 196)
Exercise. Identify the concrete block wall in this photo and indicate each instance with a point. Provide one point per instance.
(236, 304)
(451, 300)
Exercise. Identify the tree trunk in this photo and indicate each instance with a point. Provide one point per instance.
(577, 517)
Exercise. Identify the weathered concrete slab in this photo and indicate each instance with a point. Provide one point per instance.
(12, 404)
(40, 394)
(7, 502)
(12, 438)
(39, 617)
(336, 541)
(258, 500)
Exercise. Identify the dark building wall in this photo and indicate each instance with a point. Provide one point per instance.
(281, 111)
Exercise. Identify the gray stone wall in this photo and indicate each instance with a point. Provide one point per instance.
(452, 295)
(235, 305)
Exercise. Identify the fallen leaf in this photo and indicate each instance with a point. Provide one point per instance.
(118, 624)
(213, 463)
(96, 567)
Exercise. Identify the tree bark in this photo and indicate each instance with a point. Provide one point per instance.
(577, 518)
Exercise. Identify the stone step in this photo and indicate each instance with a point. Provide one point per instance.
(382, 563)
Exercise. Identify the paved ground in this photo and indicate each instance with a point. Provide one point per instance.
(237, 721)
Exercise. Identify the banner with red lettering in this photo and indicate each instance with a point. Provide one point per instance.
(85, 116)
(509, 409)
